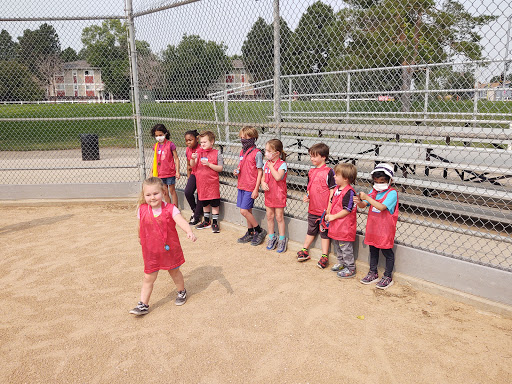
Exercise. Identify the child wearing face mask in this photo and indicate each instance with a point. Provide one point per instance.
(249, 173)
(274, 185)
(381, 223)
(166, 164)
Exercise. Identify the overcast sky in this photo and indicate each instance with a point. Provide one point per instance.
(226, 21)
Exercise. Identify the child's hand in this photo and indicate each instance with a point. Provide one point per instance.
(236, 171)
(191, 236)
(306, 198)
(194, 155)
(177, 176)
(328, 217)
(357, 200)
(264, 186)
(254, 194)
(363, 196)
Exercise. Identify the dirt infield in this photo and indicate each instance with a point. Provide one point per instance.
(70, 273)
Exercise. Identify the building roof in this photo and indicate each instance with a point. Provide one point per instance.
(79, 64)
(239, 64)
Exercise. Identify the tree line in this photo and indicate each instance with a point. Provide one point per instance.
(363, 34)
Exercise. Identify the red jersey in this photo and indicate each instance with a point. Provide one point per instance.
(318, 190)
(155, 233)
(275, 197)
(381, 225)
(208, 186)
(248, 171)
(165, 159)
(188, 153)
(343, 229)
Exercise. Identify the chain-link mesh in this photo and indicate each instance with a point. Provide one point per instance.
(423, 85)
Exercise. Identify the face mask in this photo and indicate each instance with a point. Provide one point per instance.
(248, 143)
(269, 155)
(160, 139)
(379, 187)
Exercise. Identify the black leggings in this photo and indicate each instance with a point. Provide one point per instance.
(190, 189)
(374, 259)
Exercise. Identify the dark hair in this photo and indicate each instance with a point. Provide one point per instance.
(277, 145)
(161, 128)
(194, 133)
(379, 174)
(319, 149)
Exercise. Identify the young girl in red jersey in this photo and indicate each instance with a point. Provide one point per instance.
(166, 164)
(191, 140)
(274, 185)
(381, 223)
(161, 249)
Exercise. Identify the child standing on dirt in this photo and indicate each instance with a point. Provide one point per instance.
(381, 223)
(161, 249)
(274, 185)
(249, 173)
(209, 163)
(320, 189)
(343, 221)
(166, 164)
(191, 140)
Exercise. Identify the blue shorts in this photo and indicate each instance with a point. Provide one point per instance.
(244, 199)
(169, 180)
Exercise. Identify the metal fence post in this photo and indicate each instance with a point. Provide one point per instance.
(475, 97)
(427, 80)
(348, 93)
(277, 70)
(226, 112)
(135, 87)
(290, 90)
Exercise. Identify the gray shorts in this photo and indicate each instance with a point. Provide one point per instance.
(345, 253)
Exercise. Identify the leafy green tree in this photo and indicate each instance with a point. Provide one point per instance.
(258, 49)
(192, 66)
(7, 46)
(38, 46)
(311, 46)
(402, 33)
(68, 55)
(17, 83)
(106, 47)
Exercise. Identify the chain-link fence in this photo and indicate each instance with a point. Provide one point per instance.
(424, 85)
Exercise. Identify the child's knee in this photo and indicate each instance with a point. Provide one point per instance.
(270, 215)
(279, 216)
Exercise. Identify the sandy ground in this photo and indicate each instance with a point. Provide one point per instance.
(70, 273)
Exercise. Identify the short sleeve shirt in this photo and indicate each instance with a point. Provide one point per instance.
(390, 201)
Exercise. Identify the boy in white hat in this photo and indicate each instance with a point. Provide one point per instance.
(381, 223)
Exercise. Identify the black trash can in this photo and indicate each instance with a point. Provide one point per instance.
(90, 146)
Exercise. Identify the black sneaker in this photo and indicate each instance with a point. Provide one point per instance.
(194, 221)
(245, 238)
(140, 309)
(181, 298)
(215, 227)
(258, 237)
(204, 225)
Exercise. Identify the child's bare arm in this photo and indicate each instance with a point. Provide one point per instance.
(177, 162)
(189, 168)
(372, 202)
(329, 205)
(255, 193)
(338, 215)
(278, 174)
(138, 231)
(182, 223)
(215, 167)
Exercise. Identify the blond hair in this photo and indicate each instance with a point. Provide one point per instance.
(209, 134)
(248, 131)
(277, 145)
(149, 181)
(347, 171)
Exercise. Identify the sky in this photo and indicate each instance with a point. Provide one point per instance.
(226, 21)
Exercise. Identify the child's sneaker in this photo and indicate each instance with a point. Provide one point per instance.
(385, 282)
(193, 220)
(337, 267)
(215, 227)
(303, 255)
(346, 273)
(140, 309)
(245, 238)
(272, 243)
(370, 278)
(181, 298)
(258, 237)
(204, 225)
(323, 262)
(281, 245)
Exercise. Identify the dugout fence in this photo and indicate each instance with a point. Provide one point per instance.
(425, 86)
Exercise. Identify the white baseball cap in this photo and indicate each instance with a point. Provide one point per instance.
(387, 168)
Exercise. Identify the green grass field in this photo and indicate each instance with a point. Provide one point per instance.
(55, 135)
